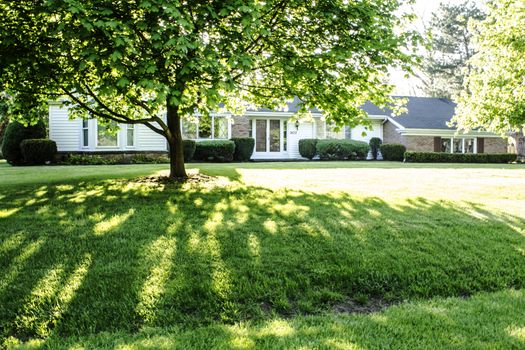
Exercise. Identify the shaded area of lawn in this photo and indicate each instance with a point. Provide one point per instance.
(488, 321)
(118, 257)
(15, 176)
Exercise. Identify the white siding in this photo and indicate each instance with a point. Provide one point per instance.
(148, 140)
(305, 131)
(375, 131)
(64, 131)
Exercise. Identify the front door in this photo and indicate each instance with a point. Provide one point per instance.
(268, 136)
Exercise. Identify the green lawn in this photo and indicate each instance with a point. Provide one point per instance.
(270, 255)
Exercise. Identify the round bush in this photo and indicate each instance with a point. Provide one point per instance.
(342, 149)
(393, 151)
(308, 148)
(15, 133)
(189, 149)
(38, 151)
(243, 148)
(375, 143)
(215, 151)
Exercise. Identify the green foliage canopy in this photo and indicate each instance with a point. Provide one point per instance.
(494, 96)
(131, 61)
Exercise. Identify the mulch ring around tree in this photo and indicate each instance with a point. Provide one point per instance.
(192, 179)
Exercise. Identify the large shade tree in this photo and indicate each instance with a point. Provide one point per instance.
(155, 62)
(494, 93)
(447, 61)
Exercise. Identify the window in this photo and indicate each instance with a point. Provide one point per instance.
(105, 137)
(85, 133)
(334, 133)
(330, 131)
(206, 127)
(458, 145)
(130, 135)
(285, 134)
(189, 129)
(446, 145)
(469, 145)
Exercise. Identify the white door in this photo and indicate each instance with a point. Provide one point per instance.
(269, 138)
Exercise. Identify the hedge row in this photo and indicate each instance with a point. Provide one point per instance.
(333, 149)
(435, 157)
(239, 149)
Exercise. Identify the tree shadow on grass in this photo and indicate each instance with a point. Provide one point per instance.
(118, 257)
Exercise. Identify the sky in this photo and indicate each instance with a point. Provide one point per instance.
(424, 10)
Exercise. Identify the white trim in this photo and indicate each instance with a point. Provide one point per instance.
(445, 133)
(399, 126)
(281, 154)
(275, 115)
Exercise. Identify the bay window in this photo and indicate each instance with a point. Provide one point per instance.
(206, 127)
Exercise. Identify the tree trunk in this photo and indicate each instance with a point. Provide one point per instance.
(176, 152)
(520, 144)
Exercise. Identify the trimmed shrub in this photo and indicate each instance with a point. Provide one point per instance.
(440, 157)
(189, 149)
(38, 151)
(342, 149)
(243, 148)
(308, 148)
(393, 151)
(15, 133)
(215, 151)
(375, 143)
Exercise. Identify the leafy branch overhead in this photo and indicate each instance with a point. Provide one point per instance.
(129, 61)
(122, 60)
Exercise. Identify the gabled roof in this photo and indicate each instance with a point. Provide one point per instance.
(423, 113)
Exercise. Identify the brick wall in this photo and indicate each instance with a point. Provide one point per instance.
(495, 145)
(240, 127)
(419, 143)
(390, 135)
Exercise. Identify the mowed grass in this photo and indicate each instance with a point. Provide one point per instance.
(275, 255)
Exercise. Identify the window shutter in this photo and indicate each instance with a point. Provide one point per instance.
(437, 144)
(481, 145)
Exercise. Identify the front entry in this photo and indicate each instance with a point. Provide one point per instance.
(270, 138)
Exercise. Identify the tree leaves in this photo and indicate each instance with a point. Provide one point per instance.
(494, 95)
(130, 59)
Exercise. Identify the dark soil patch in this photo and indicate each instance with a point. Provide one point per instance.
(353, 307)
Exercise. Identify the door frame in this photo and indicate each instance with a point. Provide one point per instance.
(267, 154)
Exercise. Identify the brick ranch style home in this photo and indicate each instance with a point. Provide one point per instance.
(423, 128)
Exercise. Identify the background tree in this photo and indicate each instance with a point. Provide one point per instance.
(450, 48)
(157, 61)
(494, 94)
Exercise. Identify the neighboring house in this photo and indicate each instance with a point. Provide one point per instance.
(277, 136)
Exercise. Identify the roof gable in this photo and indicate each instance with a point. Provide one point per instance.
(423, 113)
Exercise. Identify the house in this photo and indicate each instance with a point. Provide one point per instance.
(423, 128)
